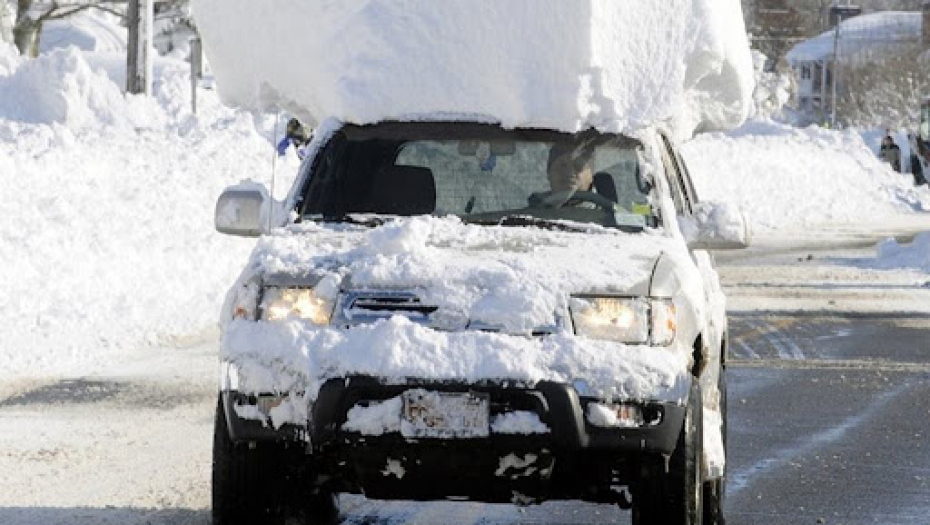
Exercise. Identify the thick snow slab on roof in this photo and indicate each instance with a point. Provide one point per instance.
(563, 64)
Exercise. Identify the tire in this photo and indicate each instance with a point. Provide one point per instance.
(245, 484)
(677, 499)
(715, 490)
(321, 509)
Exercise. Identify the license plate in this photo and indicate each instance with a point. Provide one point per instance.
(444, 415)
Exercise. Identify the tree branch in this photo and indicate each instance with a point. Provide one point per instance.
(59, 11)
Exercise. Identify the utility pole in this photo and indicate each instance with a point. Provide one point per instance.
(139, 60)
(196, 70)
(836, 62)
(838, 14)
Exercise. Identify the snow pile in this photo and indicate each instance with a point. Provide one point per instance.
(789, 178)
(293, 355)
(562, 64)
(865, 37)
(515, 280)
(916, 255)
(90, 30)
(773, 90)
(61, 87)
(107, 241)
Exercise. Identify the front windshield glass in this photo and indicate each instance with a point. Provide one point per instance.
(482, 174)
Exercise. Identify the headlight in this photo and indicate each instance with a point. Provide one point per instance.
(625, 320)
(279, 304)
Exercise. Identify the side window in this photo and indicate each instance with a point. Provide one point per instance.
(682, 204)
(690, 192)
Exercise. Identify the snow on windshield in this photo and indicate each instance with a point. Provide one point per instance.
(565, 65)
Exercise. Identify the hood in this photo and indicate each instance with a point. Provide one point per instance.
(509, 279)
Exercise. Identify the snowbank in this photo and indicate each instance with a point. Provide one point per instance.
(90, 30)
(916, 255)
(107, 242)
(787, 178)
(61, 87)
(563, 64)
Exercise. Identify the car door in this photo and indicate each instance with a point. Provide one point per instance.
(681, 184)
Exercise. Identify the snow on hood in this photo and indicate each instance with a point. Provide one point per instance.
(514, 279)
(558, 64)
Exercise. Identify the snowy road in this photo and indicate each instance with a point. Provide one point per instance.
(828, 376)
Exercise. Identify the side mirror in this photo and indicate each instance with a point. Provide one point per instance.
(716, 226)
(241, 210)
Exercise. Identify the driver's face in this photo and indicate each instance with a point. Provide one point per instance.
(565, 175)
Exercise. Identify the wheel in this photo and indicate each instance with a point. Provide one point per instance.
(321, 509)
(244, 480)
(715, 490)
(677, 498)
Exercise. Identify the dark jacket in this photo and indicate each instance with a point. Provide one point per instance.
(891, 154)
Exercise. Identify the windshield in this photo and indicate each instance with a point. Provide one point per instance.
(482, 174)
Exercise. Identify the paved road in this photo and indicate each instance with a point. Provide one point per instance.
(829, 382)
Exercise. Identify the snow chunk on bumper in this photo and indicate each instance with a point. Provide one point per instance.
(296, 357)
(566, 64)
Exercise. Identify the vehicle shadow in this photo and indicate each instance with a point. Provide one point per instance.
(101, 516)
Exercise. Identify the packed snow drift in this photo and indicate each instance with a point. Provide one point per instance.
(561, 64)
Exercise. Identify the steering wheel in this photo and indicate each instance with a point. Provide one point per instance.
(561, 198)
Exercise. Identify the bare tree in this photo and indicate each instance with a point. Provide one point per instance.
(31, 14)
(885, 91)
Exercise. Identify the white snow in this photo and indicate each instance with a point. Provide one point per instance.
(89, 30)
(107, 241)
(516, 466)
(603, 416)
(867, 33)
(516, 279)
(787, 178)
(914, 255)
(375, 419)
(518, 422)
(563, 64)
(394, 468)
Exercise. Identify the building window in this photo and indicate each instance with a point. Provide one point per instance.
(805, 73)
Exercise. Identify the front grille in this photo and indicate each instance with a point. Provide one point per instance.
(394, 303)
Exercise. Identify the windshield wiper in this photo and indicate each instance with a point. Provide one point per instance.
(368, 221)
(528, 220)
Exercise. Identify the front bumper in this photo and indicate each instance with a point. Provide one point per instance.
(575, 460)
(558, 406)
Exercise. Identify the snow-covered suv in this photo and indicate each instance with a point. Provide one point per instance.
(451, 309)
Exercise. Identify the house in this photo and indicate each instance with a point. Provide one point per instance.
(861, 40)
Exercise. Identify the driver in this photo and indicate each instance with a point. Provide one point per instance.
(569, 169)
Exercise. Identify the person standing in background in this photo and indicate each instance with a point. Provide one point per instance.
(890, 152)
